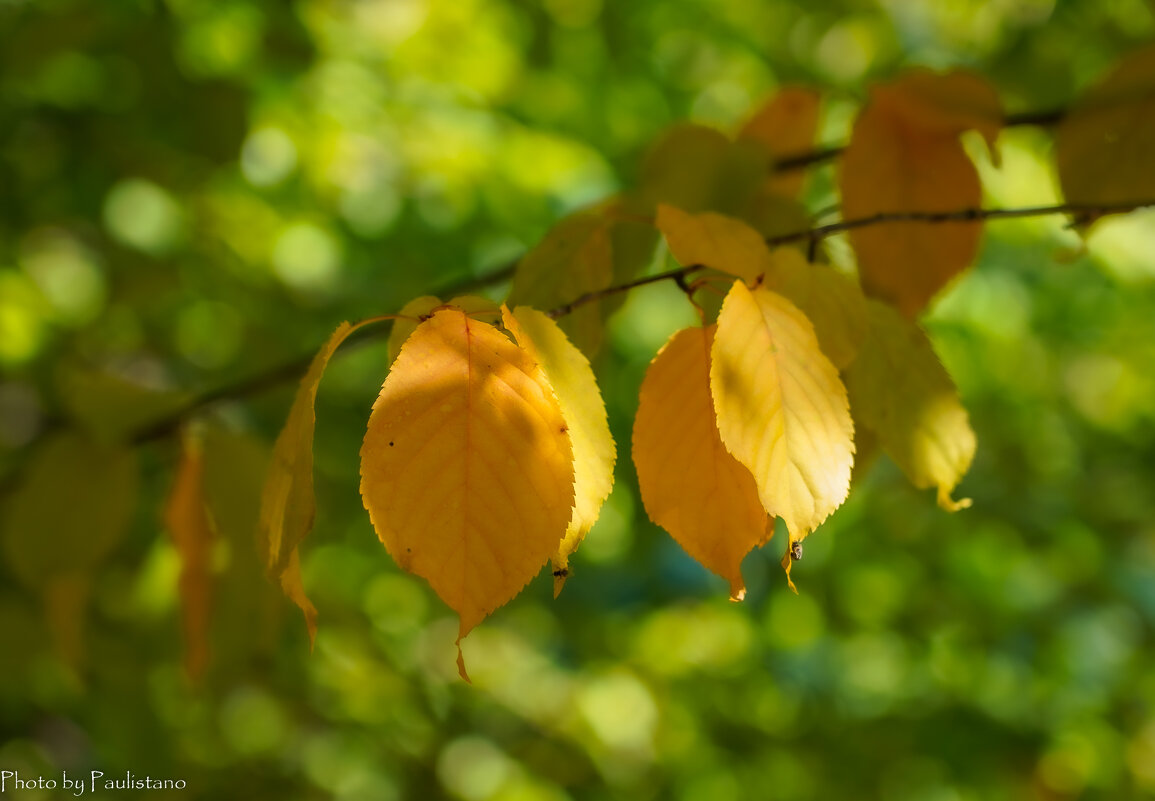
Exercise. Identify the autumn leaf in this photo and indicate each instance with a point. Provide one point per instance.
(715, 241)
(782, 409)
(574, 258)
(900, 390)
(905, 156)
(569, 374)
(191, 530)
(1105, 145)
(690, 484)
(467, 467)
(410, 315)
(785, 125)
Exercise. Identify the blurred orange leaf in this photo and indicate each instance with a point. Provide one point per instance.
(785, 125)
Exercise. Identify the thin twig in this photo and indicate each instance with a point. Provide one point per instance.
(589, 297)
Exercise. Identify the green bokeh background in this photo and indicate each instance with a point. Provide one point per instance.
(195, 192)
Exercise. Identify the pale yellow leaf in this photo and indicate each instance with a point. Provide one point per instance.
(574, 258)
(900, 390)
(782, 409)
(785, 125)
(905, 156)
(187, 520)
(715, 241)
(467, 467)
(690, 484)
(573, 382)
(1105, 145)
(288, 505)
(832, 302)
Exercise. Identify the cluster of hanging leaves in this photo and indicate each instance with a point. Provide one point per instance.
(487, 453)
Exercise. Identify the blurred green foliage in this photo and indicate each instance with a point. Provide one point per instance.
(194, 192)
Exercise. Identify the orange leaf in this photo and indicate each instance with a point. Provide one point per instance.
(690, 484)
(785, 125)
(905, 156)
(1106, 144)
(187, 521)
(467, 468)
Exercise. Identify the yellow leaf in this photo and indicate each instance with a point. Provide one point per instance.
(288, 505)
(467, 467)
(714, 240)
(573, 382)
(782, 409)
(899, 389)
(574, 258)
(832, 302)
(690, 484)
(1105, 146)
(785, 125)
(188, 524)
(905, 156)
(422, 306)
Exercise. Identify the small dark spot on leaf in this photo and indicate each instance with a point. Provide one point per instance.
(561, 572)
(796, 551)
(563, 429)
(390, 443)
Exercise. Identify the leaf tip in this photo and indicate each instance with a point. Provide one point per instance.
(949, 504)
(461, 664)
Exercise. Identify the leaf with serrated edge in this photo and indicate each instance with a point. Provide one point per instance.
(573, 382)
(832, 302)
(288, 505)
(900, 390)
(187, 520)
(421, 307)
(905, 156)
(690, 484)
(1105, 145)
(782, 409)
(467, 467)
(715, 241)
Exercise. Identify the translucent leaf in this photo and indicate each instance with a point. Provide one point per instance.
(714, 240)
(574, 258)
(782, 409)
(421, 307)
(188, 524)
(690, 484)
(832, 302)
(288, 505)
(905, 156)
(1106, 143)
(785, 125)
(467, 467)
(899, 389)
(573, 382)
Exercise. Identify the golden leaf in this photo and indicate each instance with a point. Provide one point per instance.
(191, 530)
(467, 467)
(832, 302)
(574, 258)
(785, 125)
(412, 312)
(715, 241)
(690, 484)
(782, 409)
(573, 382)
(1105, 145)
(905, 156)
(899, 389)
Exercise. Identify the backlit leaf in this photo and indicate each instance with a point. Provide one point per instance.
(905, 156)
(188, 524)
(574, 258)
(690, 484)
(832, 302)
(467, 467)
(573, 382)
(1105, 146)
(714, 240)
(900, 390)
(782, 409)
(419, 307)
(785, 125)
(288, 505)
